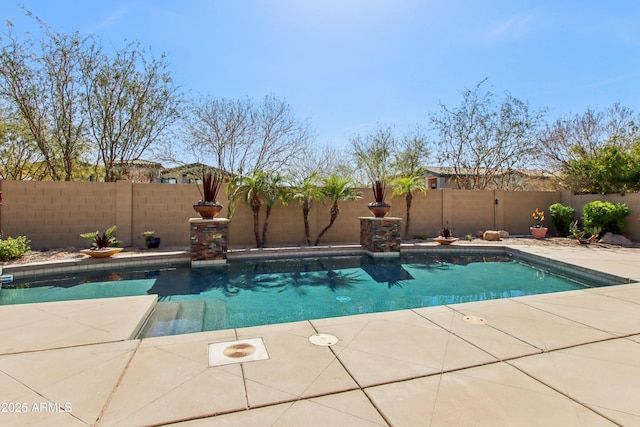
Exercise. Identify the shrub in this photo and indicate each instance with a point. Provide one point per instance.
(11, 248)
(606, 215)
(562, 218)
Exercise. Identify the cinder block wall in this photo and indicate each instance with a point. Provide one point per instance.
(470, 211)
(53, 214)
(165, 209)
(517, 207)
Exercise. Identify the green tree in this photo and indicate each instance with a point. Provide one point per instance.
(336, 189)
(252, 189)
(307, 192)
(607, 169)
(44, 85)
(77, 101)
(273, 191)
(381, 155)
(406, 186)
(19, 154)
(259, 189)
(373, 152)
(130, 100)
(411, 155)
(569, 143)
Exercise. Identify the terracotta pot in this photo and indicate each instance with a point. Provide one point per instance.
(101, 253)
(445, 240)
(208, 210)
(539, 232)
(379, 209)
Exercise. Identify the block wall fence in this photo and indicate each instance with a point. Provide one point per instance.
(53, 214)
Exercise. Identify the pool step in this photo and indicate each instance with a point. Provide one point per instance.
(190, 317)
(173, 318)
(216, 314)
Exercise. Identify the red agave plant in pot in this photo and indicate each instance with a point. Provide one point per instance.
(379, 208)
(208, 207)
(539, 232)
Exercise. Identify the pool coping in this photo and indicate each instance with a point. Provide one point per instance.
(125, 259)
(572, 270)
(182, 257)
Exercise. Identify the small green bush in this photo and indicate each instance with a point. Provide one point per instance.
(606, 215)
(11, 248)
(562, 218)
(421, 236)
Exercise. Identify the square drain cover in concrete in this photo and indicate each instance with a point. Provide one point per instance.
(226, 353)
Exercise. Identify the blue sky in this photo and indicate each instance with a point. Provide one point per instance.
(348, 64)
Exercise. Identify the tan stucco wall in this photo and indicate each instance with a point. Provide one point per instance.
(53, 214)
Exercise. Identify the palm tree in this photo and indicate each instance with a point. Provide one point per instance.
(252, 189)
(306, 192)
(273, 191)
(336, 188)
(405, 186)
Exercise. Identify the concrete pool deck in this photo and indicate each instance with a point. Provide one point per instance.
(570, 358)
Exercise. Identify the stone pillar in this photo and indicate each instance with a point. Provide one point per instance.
(209, 241)
(380, 236)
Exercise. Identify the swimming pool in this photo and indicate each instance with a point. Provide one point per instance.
(249, 293)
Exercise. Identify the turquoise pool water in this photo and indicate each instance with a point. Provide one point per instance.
(253, 293)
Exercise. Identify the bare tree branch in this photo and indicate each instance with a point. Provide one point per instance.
(243, 137)
(486, 139)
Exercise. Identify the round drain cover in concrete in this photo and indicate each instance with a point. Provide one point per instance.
(239, 350)
(323, 339)
(475, 320)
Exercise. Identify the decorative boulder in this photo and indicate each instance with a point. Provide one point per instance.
(479, 234)
(503, 234)
(491, 235)
(615, 239)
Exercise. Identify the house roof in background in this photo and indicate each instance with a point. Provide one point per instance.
(448, 171)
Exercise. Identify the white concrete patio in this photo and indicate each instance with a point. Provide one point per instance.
(569, 359)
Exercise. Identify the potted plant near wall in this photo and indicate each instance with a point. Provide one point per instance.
(538, 231)
(102, 245)
(208, 207)
(379, 208)
(445, 237)
(150, 239)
